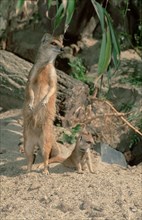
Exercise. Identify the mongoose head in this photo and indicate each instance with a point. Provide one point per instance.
(49, 48)
(85, 141)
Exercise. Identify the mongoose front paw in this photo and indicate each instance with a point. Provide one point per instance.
(45, 171)
(30, 107)
(79, 171)
(44, 102)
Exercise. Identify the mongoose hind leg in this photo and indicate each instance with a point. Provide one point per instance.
(29, 151)
(46, 149)
(77, 162)
(79, 168)
(89, 161)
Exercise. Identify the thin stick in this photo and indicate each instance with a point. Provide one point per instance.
(126, 122)
(112, 114)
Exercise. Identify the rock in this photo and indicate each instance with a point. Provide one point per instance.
(64, 207)
(26, 47)
(110, 155)
(88, 205)
(3, 24)
(128, 99)
(124, 97)
(14, 72)
(5, 6)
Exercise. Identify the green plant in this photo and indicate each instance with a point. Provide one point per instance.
(79, 72)
(137, 120)
(78, 69)
(19, 5)
(110, 51)
(135, 138)
(125, 107)
(133, 79)
(139, 123)
(71, 139)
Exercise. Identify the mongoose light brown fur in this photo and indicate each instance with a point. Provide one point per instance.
(81, 155)
(40, 101)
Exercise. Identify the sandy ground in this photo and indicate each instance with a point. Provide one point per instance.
(111, 193)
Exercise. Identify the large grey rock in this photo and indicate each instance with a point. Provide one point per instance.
(13, 72)
(110, 155)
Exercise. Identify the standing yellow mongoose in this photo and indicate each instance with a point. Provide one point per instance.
(40, 101)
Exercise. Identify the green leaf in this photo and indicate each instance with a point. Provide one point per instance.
(109, 46)
(68, 139)
(76, 129)
(59, 16)
(114, 40)
(109, 76)
(60, 11)
(49, 2)
(71, 139)
(20, 4)
(115, 58)
(105, 54)
(69, 12)
(57, 4)
(102, 52)
(65, 138)
(115, 44)
(108, 51)
(100, 12)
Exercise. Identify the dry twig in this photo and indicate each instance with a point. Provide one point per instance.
(123, 119)
(117, 114)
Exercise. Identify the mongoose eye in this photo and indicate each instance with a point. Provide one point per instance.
(88, 142)
(54, 43)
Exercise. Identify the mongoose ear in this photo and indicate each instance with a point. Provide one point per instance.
(46, 38)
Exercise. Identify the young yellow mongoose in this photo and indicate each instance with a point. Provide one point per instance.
(40, 101)
(81, 156)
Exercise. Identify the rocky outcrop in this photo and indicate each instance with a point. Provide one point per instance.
(14, 72)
